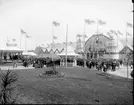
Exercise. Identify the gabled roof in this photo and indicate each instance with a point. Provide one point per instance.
(125, 48)
(46, 51)
(130, 47)
(56, 51)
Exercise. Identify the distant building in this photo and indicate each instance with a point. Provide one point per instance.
(58, 48)
(101, 46)
(126, 50)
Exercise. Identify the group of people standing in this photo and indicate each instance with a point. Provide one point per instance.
(104, 64)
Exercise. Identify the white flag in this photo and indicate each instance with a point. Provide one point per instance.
(56, 24)
(100, 22)
(88, 21)
(128, 34)
(129, 25)
(22, 31)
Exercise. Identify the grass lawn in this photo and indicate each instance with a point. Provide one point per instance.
(80, 86)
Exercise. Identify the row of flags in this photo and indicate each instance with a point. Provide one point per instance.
(13, 40)
(79, 36)
(24, 33)
(55, 24)
(89, 22)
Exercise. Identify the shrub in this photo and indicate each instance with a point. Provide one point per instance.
(8, 80)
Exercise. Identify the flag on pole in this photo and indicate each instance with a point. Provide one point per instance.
(28, 36)
(14, 40)
(128, 34)
(78, 35)
(110, 36)
(113, 32)
(88, 21)
(54, 37)
(119, 32)
(22, 31)
(56, 24)
(85, 36)
(100, 22)
(70, 42)
(129, 25)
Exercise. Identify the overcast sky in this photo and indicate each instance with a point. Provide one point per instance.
(36, 16)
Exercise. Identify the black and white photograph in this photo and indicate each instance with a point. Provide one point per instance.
(66, 52)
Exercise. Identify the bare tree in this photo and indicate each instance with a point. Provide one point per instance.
(7, 85)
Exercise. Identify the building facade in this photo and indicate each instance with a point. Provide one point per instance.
(101, 46)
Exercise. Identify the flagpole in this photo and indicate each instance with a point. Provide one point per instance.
(97, 26)
(84, 44)
(7, 39)
(117, 40)
(126, 51)
(20, 40)
(66, 42)
(97, 32)
(52, 40)
(25, 44)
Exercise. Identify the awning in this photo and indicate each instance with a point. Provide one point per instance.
(29, 54)
(11, 49)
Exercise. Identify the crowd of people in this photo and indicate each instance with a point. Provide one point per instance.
(40, 62)
(106, 64)
(99, 64)
(12, 57)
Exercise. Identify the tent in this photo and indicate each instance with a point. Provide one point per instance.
(70, 52)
